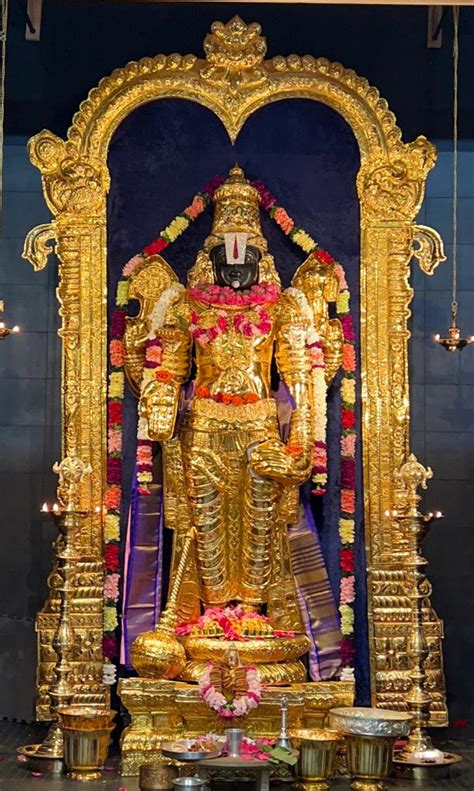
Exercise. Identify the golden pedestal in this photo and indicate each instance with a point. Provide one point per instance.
(163, 710)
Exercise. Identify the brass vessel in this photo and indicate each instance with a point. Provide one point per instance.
(86, 734)
(156, 777)
(317, 759)
(370, 736)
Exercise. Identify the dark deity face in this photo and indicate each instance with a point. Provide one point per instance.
(237, 276)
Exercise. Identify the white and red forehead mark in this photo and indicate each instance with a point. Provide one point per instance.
(235, 246)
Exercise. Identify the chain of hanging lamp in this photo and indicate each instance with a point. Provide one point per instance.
(454, 342)
(454, 302)
(4, 330)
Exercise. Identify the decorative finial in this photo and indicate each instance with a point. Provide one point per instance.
(234, 54)
(408, 478)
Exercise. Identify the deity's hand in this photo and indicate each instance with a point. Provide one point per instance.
(289, 464)
(158, 405)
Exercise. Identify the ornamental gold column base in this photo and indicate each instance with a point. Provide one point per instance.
(161, 710)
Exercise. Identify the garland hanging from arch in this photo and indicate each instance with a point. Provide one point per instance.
(116, 387)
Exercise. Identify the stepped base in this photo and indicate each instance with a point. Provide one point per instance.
(163, 710)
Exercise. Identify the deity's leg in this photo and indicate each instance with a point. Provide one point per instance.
(207, 507)
(259, 510)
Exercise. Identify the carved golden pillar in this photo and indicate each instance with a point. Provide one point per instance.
(75, 193)
(391, 194)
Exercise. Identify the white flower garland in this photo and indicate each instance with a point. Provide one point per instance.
(163, 303)
(318, 379)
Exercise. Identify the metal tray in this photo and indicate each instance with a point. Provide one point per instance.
(187, 755)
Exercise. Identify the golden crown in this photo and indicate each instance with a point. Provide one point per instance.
(236, 210)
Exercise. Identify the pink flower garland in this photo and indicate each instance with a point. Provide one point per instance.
(258, 294)
(239, 706)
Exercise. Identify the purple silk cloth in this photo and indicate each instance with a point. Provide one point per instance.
(315, 599)
(142, 569)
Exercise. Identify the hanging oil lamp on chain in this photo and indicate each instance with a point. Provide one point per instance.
(454, 342)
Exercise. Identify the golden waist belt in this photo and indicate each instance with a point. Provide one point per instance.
(230, 417)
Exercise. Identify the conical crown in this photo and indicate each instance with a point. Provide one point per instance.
(236, 210)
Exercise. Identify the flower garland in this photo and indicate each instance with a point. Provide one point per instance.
(258, 294)
(227, 398)
(348, 438)
(234, 622)
(116, 392)
(239, 706)
(316, 353)
(211, 294)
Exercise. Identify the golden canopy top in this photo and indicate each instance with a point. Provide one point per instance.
(236, 210)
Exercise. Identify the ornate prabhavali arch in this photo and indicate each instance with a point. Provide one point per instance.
(234, 81)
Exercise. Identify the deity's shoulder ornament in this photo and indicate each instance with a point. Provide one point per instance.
(320, 284)
(148, 282)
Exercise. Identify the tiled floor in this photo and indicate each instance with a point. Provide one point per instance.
(14, 777)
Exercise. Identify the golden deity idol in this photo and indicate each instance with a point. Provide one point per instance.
(232, 462)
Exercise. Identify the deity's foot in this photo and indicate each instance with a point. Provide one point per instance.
(265, 650)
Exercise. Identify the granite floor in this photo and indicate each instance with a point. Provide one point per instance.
(14, 777)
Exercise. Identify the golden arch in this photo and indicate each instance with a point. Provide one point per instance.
(234, 81)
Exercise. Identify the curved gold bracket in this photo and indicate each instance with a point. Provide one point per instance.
(428, 248)
(39, 244)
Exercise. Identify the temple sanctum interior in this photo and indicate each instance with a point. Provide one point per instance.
(236, 395)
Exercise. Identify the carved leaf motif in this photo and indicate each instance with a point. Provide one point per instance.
(39, 244)
(428, 248)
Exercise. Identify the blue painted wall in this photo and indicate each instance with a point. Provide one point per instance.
(45, 83)
(29, 430)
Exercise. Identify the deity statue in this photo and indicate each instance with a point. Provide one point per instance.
(231, 468)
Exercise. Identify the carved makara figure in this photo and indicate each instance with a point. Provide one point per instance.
(231, 474)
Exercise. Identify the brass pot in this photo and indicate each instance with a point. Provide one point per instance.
(86, 733)
(156, 777)
(369, 760)
(317, 758)
(370, 736)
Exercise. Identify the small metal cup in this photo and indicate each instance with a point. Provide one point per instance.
(234, 738)
(195, 783)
